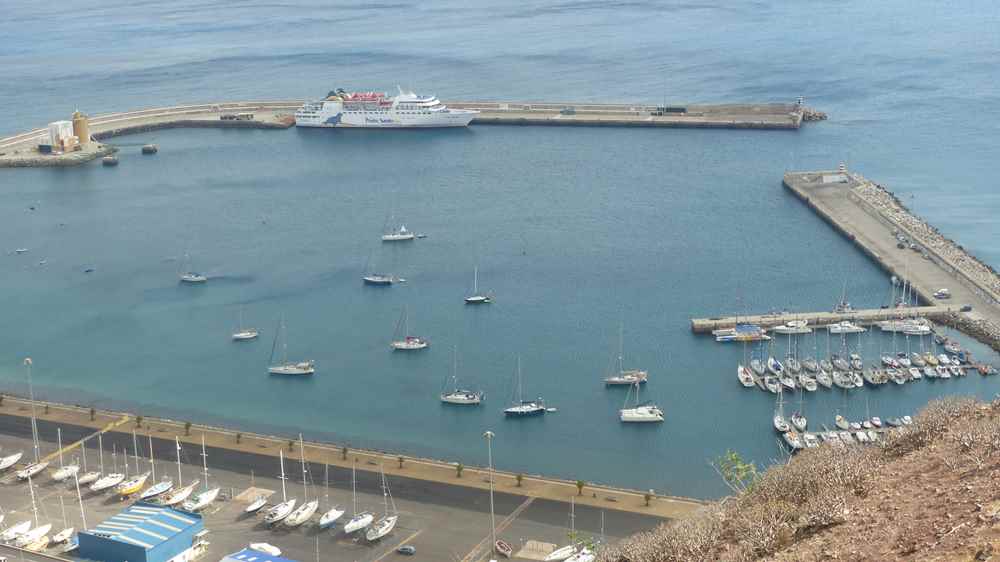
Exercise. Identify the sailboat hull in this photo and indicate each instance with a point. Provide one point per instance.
(31, 470)
(202, 500)
(330, 517)
(381, 528)
(302, 514)
(358, 522)
(106, 482)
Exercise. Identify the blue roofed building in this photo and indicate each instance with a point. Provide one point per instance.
(144, 532)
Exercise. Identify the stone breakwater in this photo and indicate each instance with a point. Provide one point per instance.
(982, 329)
(886, 203)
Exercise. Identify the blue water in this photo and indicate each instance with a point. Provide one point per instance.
(574, 230)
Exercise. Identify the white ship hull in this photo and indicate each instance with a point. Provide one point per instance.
(371, 110)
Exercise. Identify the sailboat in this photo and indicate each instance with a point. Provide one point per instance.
(287, 367)
(30, 535)
(358, 520)
(335, 512)
(458, 395)
(65, 470)
(387, 522)
(132, 485)
(624, 377)
(639, 413)
(38, 465)
(10, 460)
(560, 554)
(72, 544)
(88, 476)
(108, 480)
(67, 531)
(308, 508)
(779, 421)
(182, 493)
(244, 334)
(190, 276)
(161, 487)
(476, 297)
(283, 509)
(519, 406)
(207, 496)
(16, 530)
(378, 279)
(408, 343)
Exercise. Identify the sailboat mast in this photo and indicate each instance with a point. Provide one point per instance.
(385, 496)
(34, 507)
(204, 460)
(152, 465)
(79, 498)
(621, 346)
(475, 281)
(62, 506)
(59, 444)
(326, 482)
(31, 398)
(135, 449)
(83, 454)
(100, 448)
(281, 460)
(180, 480)
(302, 453)
(354, 486)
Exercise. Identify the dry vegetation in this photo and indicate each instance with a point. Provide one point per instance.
(930, 491)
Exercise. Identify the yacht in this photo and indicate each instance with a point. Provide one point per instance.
(520, 407)
(639, 413)
(378, 110)
(379, 279)
(408, 343)
(745, 376)
(793, 327)
(845, 327)
(398, 235)
(287, 367)
(476, 297)
(458, 395)
(193, 277)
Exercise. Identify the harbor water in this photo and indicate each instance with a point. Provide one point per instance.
(574, 230)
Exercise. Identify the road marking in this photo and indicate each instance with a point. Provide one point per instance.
(399, 544)
(124, 419)
(501, 527)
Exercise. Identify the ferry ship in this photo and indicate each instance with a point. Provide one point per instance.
(378, 110)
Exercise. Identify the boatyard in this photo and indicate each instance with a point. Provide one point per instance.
(22, 150)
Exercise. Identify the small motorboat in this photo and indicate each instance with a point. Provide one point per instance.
(903, 360)
(907, 420)
(944, 360)
(379, 279)
(943, 372)
(810, 365)
(824, 378)
(799, 421)
(888, 361)
(876, 421)
(894, 422)
(856, 362)
(792, 440)
(957, 371)
(915, 373)
(780, 425)
(930, 373)
(743, 374)
(841, 422)
(193, 278)
(807, 382)
(931, 359)
(917, 360)
(504, 548)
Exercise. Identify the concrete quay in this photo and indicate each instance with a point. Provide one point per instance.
(872, 218)
(821, 319)
(21, 150)
(246, 452)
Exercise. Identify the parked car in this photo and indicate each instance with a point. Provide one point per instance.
(966, 308)
(407, 549)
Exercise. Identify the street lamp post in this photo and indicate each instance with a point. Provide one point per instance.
(493, 524)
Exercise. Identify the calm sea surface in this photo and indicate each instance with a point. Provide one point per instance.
(574, 230)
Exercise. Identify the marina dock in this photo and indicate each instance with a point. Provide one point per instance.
(820, 319)
(21, 150)
(906, 247)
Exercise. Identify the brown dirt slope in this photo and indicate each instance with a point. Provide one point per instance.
(929, 492)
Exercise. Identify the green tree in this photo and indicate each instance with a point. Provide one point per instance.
(400, 461)
(458, 470)
(738, 474)
(519, 477)
(138, 421)
(239, 437)
(187, 428)
(647, 496)
(93, 414)
(343, 452)
(579, 487)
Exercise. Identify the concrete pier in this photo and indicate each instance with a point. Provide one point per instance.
(819, 319)
(874, 219)
(21, 150)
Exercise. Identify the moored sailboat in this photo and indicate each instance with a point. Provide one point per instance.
(476, 297)
(386, 523)
(519, 406)
(407, 342)
(287, 367)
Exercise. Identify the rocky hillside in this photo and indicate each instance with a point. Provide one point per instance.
(930, 491)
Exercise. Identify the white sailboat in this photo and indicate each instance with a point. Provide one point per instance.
(476, 297)
(161, 487)
(31, 535)
(408, 342)
(308, 507)
(520, 407)
(191, 276)
(560, 554)
(181, 493)
(16, 530)
(108, 480)
(203, 499)
(38, 465)
(624, 376)
(335, 512)
(282, 510)
(65, 470)
(358, 520)
(242, 333)
(71, 544)
(387, 522)
(67, 531)
(458, 395)
(88, 476)
(10, 460)
(287, 367)
(646, 412)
